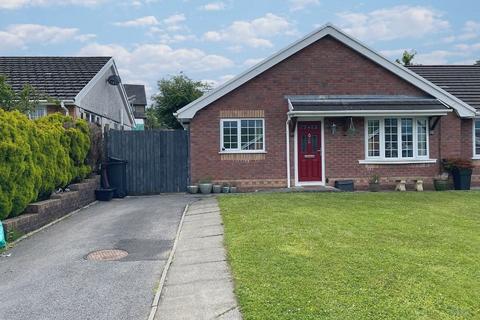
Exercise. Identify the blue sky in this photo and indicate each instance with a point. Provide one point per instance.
(215, 40)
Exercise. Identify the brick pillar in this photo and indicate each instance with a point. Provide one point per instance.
(450, 136)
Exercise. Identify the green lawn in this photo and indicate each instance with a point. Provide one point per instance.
(355, 255)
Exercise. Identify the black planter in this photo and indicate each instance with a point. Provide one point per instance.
(462, 178)
(104, 194)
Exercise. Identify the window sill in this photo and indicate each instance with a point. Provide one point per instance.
(242, 152)
(402, 161)
(476, 158)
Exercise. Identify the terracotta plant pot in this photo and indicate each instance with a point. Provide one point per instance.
(233, 189)
(217, 188)
(225, 189)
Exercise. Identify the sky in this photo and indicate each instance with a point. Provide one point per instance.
(215, 40)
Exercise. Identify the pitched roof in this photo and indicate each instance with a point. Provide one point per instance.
(461, 81)
(137, 90)
(462, 108)
(58, 77)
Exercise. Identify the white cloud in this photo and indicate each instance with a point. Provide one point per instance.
(175, 19)
(16, 4)
(21, 35)
(252, 33)
(252, 62)
(470, 30)
(296, 5)
(393, 23)
(151, 61)
(139, 22)
(214, 6)
(435, 57)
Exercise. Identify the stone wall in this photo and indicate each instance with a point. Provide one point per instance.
(38, 214)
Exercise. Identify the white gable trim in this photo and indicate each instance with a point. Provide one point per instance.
(463, 109)
(81, 95)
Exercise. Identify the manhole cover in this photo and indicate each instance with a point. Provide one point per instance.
(106, 255)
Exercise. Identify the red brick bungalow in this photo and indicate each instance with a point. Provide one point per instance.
(329, 108)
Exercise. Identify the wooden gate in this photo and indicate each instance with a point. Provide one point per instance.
(157, 159)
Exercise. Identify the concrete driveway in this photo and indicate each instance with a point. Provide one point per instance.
(48, 277)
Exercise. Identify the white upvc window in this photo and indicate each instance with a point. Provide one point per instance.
(40, 111)
(396, 138)
(242, 135)
(476, 138)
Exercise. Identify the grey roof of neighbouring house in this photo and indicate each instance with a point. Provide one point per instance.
(460, 81)
(58, 77)
(363, 103)
(137, 90)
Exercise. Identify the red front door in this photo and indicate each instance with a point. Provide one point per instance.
(309, 151)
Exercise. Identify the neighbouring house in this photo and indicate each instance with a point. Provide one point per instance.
(83, 87)
(329, 108)
(138, 99)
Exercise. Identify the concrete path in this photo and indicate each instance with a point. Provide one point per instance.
(199, 285)
(47, 276)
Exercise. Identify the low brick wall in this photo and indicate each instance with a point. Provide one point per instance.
(38, 214)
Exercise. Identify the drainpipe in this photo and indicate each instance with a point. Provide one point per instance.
(287, 137)
(62, 104)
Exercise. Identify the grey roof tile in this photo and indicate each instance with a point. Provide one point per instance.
(137, 90)
(58, 77)
(462, 81)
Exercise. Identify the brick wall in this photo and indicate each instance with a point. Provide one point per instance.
(41, 213)
(327, 67)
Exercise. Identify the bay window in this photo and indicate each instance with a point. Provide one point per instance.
(242, 135)
(397, 138)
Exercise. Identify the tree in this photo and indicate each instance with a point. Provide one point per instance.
(151, 120)
(174, 93)
(407, 57)
(24, 101)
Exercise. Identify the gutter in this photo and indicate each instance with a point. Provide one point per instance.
(62, 105)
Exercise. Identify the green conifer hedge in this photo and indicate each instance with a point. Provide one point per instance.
(36, 157)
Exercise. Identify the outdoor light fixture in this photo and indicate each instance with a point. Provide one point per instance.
(114, 80)
(333, 128)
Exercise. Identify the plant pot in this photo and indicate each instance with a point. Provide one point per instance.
(104, 194)
(192, 189)
(373, 187)
(233, 189)
(205, 188)
(440, 184)
(217, 188)
(225, 189)
(462, 178)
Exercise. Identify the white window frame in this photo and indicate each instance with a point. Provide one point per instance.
(400, 159)
(475, 154)
(33, 115)
(239, 130)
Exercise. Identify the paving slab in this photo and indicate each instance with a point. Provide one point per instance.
(199, 283)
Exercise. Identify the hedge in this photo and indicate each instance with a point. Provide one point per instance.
(36, 157)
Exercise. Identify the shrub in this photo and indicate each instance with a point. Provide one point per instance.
(36, 157)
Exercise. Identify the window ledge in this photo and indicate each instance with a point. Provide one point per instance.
(242, 152)
(476, 158)
(402, 161)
